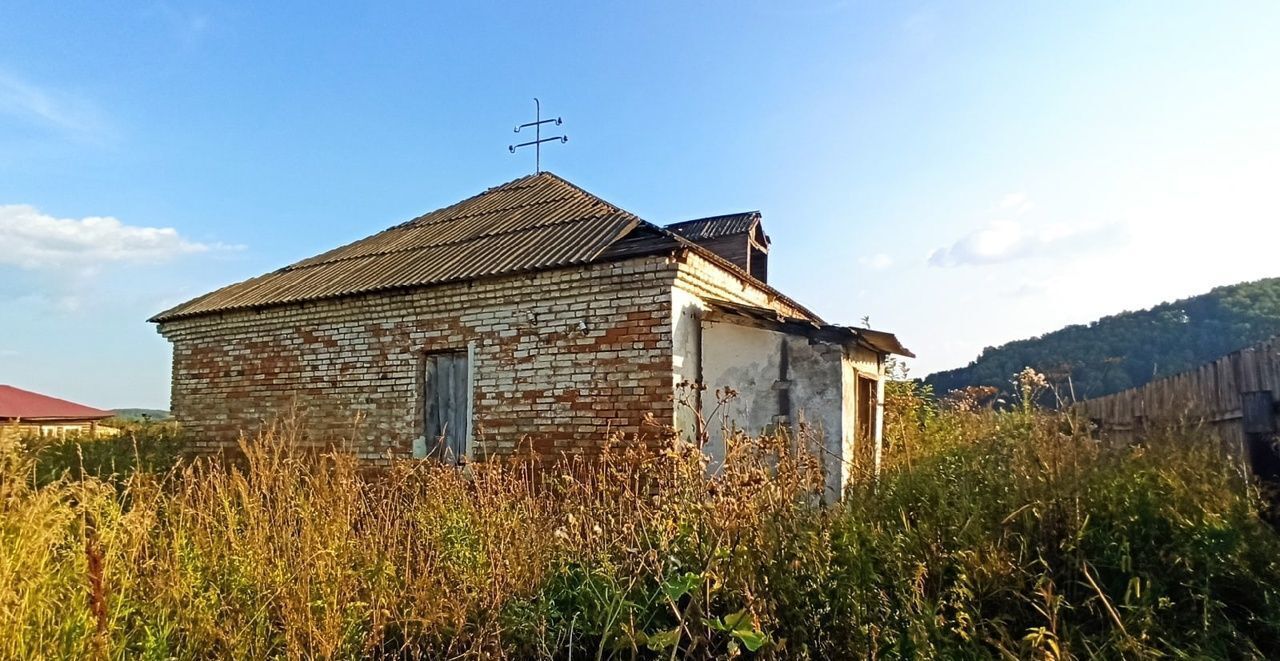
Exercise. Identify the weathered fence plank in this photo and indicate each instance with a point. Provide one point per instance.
(1258, 423)
(1217, 396)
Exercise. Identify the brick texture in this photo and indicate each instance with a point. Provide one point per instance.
(703, 279)
(562, 358)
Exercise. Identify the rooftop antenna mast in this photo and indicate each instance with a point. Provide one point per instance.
(537, 141)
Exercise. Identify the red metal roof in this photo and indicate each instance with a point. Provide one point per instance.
(27, 405)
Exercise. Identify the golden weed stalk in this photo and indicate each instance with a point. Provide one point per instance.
(986, 534)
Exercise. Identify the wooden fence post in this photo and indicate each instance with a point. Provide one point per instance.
(1258, 424)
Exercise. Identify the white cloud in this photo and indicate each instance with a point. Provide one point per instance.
(37, 105)
(30, 239)
(876, 262)
(1016, 202)
(998, 242)
(1006, 241)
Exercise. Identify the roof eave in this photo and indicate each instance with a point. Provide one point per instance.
(742, 275)
(175, 313)
(879, 341)
(50, 419)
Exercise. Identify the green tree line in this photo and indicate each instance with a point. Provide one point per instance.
(1131, 348)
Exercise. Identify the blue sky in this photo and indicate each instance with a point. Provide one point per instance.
(965, 174)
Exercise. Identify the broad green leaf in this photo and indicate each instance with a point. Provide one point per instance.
(739, 621)
(663, 639)
(752, 640)
(678, 586)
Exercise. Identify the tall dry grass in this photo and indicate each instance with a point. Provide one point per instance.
(987, 535)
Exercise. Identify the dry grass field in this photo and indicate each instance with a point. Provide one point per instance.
(988, 534)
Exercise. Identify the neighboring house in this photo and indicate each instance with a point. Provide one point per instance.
(25, 412)
(534, 314)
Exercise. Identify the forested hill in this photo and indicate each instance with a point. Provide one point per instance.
(1131, 348)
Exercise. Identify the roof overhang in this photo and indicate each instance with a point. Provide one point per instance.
(879, 341)
(653, 239)
(54, 420)
(27, 406)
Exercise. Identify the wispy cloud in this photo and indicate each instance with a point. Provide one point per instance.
(1018, 203)
(1006, 241)
(187, 25)
(49, 108)
(876, 262)
(35, 240)
(998, 242)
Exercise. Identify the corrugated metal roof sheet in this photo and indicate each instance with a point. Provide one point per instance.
(16, 403)
(880, 341)
(535, 222)
(714, 227)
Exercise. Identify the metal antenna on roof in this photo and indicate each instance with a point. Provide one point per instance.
(537, 141)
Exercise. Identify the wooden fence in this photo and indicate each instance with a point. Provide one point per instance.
(1233, 398)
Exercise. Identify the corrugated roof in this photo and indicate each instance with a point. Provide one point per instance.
(650, 239)
(16, 403)
(534, 222)
(884, 341)
(880, 341)
(714, 227)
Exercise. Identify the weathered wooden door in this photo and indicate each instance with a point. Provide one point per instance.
(866, 410)
(447, 405)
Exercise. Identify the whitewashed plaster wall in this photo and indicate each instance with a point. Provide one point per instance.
(807, 392)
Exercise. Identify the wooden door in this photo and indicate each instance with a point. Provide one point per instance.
(866, 409)
(447, 403)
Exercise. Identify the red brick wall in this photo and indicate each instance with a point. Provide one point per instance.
(350, 369)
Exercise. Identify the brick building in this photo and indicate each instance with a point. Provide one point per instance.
(534, 312)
